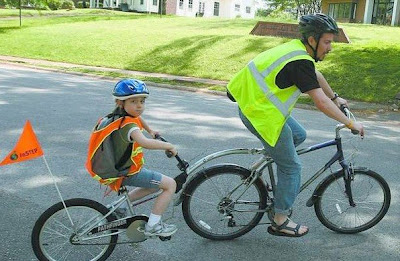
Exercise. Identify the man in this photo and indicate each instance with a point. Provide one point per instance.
(266, 91)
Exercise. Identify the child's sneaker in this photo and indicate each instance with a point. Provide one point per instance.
(160, 229)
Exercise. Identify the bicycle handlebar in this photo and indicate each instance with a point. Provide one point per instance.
(349, 115)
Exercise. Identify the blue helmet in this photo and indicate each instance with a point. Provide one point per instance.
(128, 88)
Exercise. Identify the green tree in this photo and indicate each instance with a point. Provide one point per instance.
(298, 7)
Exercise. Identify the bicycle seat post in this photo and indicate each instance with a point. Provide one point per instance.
(125, 193)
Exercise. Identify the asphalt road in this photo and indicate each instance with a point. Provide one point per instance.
(63, 108)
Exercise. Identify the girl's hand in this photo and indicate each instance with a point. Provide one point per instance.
(154, 133)
(173, 151)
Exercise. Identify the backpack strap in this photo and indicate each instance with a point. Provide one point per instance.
(125, 157)
(128, 151)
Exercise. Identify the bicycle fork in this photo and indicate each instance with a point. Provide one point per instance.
(348, 178)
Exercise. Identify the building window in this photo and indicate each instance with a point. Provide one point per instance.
(180, 4)
(342, 10)
(154, 2)
(141, 2)
(201, 8)
(237, 8)
(248, 9)
(383, 12)
(190, 5)
(216, 8)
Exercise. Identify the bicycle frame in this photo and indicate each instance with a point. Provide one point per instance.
(83, 235)
(266, 162)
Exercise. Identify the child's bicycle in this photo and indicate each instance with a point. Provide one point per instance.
(226, 201)
(83, 229)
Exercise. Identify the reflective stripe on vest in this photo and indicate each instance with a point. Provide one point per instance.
(260, 76)
(254, 88)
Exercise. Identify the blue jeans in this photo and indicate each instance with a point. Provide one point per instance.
(287, 161)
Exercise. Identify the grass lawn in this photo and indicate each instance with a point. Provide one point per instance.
(367, 69)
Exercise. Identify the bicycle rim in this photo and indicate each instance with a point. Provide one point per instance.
(56, 234)
(220, 205)
(371, 195)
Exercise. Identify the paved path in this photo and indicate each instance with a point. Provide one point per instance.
(63, 108)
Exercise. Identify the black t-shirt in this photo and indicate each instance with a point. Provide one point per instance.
(300, 73)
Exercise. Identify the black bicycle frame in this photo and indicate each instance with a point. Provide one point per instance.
(337, 157)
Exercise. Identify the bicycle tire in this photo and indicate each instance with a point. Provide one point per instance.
(370, 193)
(212, 216)
(53, 232)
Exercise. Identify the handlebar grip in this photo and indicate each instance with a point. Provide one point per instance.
(169, 154)
(345, 109)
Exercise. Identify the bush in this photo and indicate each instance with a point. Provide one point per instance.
(54, 4)
(83, 4)
(68, 4)
(264, 12)
(282, 15)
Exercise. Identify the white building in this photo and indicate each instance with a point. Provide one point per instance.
(212, 8)
(145, 6)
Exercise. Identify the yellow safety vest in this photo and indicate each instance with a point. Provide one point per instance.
(254, 88)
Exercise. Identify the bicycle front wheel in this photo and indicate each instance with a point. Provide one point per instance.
(371, 195)
(54, 238)
(221, 204)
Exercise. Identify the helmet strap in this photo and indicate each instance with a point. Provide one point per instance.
(317, 38)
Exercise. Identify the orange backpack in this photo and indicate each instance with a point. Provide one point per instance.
(101, 162)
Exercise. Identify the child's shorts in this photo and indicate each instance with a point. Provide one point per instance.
(145, 179)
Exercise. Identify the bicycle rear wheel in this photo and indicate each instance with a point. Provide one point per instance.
(53, 236)
(220, 204)
(371, 195)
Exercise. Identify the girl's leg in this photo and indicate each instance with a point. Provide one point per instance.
(168, 186)
(139, 193)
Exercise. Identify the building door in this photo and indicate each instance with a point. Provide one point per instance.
(216, 8)
(383, 12)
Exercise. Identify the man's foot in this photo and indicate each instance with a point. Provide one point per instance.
(287, 229)
(160, 229)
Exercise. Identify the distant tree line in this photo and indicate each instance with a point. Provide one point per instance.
(43, 4)
(295, 7)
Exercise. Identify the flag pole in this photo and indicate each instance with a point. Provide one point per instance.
(58, 190)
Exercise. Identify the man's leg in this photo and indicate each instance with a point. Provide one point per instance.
(288, 168)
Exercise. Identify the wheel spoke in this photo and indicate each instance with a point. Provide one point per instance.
(371, 196)
(220, 200)
(53, 231)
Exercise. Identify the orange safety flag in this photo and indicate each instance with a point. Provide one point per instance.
(27, 147)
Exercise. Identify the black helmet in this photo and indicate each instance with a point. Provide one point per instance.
(317, 24)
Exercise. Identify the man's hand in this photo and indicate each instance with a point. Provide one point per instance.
(340, 101)
(357, 127)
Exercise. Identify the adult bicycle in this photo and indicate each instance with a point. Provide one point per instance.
(225, 201)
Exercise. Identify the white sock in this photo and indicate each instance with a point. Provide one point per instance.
(153, 219)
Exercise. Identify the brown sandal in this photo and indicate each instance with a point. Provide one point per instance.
(275, 230)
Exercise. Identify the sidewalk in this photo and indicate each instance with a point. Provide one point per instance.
(391, 112)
